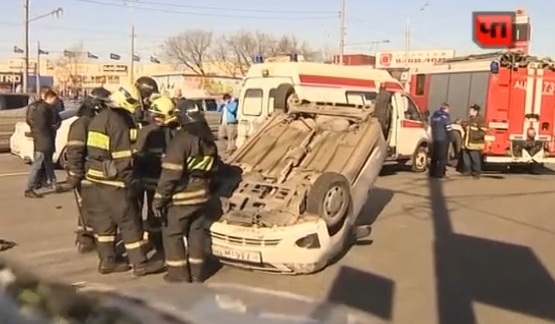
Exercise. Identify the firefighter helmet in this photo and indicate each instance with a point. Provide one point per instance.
(147, 86)
(126, 97)
(188, 112)
(162, 108)
(99, 97)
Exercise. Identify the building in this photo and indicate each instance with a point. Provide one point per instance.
(70, 76)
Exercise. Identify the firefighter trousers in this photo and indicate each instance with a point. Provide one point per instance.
(185, 222)
(83, 194)
(115, 208)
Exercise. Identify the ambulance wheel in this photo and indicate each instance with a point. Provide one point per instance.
(330, 198)
(282, 96)
(419, 161)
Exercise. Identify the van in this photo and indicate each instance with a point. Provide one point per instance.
(271, 86)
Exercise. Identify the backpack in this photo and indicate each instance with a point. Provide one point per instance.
(29, 114)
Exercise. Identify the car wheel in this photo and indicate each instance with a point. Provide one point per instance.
(330, 198)
(282, 97)
(420, 159)
(62, 159)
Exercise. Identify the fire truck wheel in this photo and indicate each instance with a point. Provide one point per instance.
(420, 159)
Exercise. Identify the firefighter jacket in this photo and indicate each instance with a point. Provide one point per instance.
(474, 133)
(110, 140)
(186, 169)
(150, 147)
(76, 147)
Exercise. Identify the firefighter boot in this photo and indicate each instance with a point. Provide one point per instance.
(84, 241)
(197, 271)
(108, 263)
(178, 274)
(154, 228)
(141, 265)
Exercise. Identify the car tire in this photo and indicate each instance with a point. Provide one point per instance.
(330, 198)
(281, 97)
(419, 161)
(62, 159)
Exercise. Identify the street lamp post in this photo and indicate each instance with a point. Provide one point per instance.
(407, 34)
(56, 13)
(133, 35)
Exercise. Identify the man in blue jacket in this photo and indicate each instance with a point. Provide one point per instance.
(228, 127)
(441, 139)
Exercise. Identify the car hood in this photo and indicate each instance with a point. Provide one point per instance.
(230, 304)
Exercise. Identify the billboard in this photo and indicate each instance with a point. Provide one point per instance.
(400, 59)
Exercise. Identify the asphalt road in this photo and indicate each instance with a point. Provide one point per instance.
(456, 251)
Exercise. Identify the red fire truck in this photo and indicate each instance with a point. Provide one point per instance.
(517, 96)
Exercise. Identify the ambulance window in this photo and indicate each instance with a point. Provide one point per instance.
(420, 84)
(252, 103)
(369, 97)
(355, 98)
(411, 112)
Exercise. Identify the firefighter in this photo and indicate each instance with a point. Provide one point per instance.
(110, 140)
(151, 144)
(473, 143)
(76, 158)
(441, 139)
(181, 199)
(148, 89)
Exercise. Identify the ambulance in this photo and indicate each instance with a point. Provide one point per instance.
(516, 93)
(270, 86)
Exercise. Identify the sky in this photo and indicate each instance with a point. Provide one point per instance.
(103, 26)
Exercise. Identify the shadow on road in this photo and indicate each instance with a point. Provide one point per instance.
(363, 291)
(471, 269)
(378, 199)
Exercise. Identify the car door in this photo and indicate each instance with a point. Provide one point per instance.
(12, 110)
(211, 113)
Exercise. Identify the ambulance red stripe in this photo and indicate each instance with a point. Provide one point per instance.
(330, 81)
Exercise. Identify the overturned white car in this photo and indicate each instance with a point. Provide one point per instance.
(306, 174)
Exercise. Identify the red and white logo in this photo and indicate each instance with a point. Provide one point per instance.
(385, 59)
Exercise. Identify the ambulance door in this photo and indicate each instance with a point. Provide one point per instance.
(256, 103)
(409, 128)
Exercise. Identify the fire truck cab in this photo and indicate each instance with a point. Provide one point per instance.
(270, 86)
(517, 96)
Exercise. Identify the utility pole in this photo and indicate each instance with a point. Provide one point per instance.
(26, 46)
(37, 71)
(132, 65)
(342, 31)
(407, 42)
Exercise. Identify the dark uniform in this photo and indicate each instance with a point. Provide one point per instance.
(76, 150)
(151, 146)
(181, 197)
(473, 143)
(109, 146)
(441, 138)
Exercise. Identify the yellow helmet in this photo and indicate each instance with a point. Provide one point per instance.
(162, 107)
(127, 97)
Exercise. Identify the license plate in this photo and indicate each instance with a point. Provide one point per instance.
(246, 256)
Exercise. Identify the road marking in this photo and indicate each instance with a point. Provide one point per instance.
(14, 174)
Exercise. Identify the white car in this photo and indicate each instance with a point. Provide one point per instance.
(292, 193)
(21, 144)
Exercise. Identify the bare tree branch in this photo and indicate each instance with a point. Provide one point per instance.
(68, 66)
(189, 49)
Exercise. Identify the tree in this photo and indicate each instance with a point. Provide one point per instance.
(67, 66)
(236, 51)
(189, 49)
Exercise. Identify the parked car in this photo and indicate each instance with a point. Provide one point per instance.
(210, 107)
(21, 142)
(12, 110)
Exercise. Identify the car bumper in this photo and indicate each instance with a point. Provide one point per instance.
(299, 249)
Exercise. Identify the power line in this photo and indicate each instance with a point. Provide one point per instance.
(190, 13)
(228, 9)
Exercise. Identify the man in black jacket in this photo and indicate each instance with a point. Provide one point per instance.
(44, 136)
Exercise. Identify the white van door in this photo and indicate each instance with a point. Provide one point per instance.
(410, 126)
(256, 104)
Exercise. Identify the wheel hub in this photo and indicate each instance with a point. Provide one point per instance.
(334, 200)
(421, 160)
